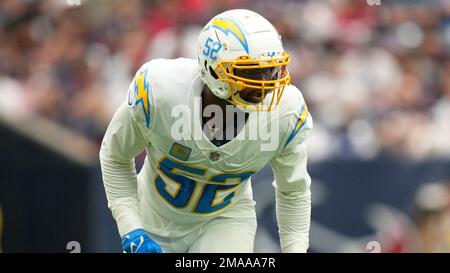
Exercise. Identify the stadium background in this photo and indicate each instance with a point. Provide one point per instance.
(377, 79)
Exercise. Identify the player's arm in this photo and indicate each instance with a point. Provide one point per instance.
(122, 142)
(292, 186)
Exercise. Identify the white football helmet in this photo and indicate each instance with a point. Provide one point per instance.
(240, 49)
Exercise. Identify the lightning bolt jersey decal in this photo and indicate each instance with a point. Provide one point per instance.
(141, 92)
(301, 121)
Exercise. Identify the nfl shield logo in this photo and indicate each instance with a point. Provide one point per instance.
(214, 156)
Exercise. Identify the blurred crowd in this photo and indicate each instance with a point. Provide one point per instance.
(376, 77)
(428, 228)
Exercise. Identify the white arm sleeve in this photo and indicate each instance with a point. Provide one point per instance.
(293, 198)
(121, 144)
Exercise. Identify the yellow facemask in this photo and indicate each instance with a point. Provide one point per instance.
(228, 71)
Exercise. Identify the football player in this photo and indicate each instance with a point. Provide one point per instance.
(194, 193)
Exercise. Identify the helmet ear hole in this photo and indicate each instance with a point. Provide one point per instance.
(213, 73)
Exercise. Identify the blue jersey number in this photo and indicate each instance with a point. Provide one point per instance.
(207, 201)
(186, 186)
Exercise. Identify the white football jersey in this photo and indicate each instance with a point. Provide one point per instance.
(185, 177)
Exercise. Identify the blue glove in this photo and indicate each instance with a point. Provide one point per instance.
(138, 241)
